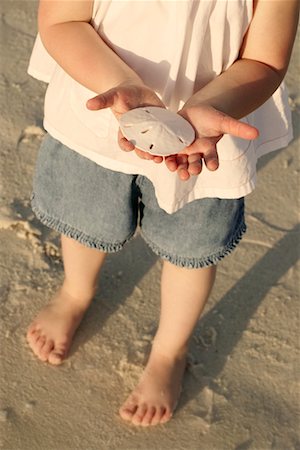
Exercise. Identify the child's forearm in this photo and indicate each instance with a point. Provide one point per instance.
(81, 52)
(264, 59)
(241, 89)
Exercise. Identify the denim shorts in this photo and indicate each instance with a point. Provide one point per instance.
(101, 209)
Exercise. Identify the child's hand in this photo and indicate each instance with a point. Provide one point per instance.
(210, 125)
(128, 96)
(123, 98)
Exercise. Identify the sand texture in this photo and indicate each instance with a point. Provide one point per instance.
(241, 390)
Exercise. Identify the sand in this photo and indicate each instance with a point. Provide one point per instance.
(241, 389)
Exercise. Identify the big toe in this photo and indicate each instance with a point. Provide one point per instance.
(128, 410)
(57, 354)
(55, 358)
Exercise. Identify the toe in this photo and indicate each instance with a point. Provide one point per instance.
(55, 358)
(166, 416)
(159, 413)
(58, 354)
(32, 341)
(46, 349)
(32, 336)
(148, 416)
(39, 344)
(31, 330)
(128, 410)
(139, 414)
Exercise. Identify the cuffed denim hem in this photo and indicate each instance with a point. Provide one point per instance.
(196, 263)
(78, 235)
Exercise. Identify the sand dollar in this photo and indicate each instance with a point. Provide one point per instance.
(157, 130)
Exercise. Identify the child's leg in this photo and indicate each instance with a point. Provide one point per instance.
(51, 332)
(184, 293)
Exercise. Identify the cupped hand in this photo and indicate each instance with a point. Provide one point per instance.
(210, 125)
(120, 99)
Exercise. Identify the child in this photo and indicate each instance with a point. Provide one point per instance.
(214, 62)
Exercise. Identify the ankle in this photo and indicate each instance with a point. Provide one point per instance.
(81, 297)
(168, 351)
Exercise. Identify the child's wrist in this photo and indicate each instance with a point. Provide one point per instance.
(131, 81)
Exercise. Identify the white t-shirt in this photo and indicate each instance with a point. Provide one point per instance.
(176, 47)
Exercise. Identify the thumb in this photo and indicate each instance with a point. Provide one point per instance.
(101, 101)
(229, 125)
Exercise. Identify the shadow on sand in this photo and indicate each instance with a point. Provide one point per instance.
(237, 306)
(240, 303)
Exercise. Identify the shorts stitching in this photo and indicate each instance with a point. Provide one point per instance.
(73, 233)
(196, 263)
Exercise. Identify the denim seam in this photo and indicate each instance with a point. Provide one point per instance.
(73, 233)
(195, 263)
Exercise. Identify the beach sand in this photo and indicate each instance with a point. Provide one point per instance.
(241, 388)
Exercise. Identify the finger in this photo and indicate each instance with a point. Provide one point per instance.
(124, 144)
(183, 174)
(195, 164)
(229, 125)
(211, 158)
(101, 101)
(206, 147)
(171, 163)
(158, 159)
(144, 155)
(182, 161)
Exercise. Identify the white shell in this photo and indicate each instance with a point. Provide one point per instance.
(157, 130)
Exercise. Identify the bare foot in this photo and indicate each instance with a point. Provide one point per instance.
(50, 334)
(155, 398)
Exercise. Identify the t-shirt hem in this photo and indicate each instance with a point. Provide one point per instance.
(38, 75)
(274, 144)
(210, 192)
(195, 194)
(203, 192)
